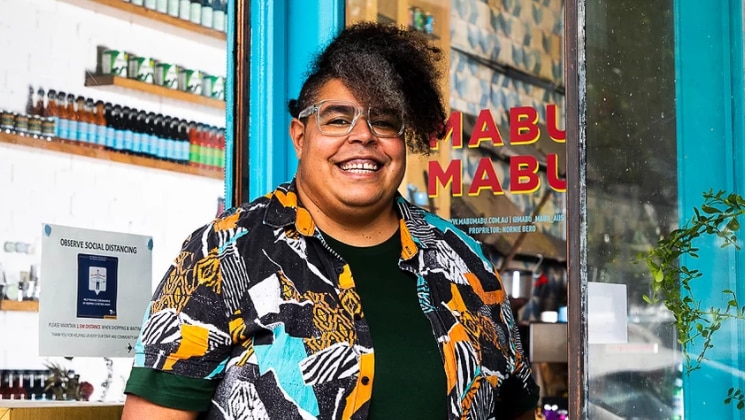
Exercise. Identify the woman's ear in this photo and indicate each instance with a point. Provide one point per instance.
(297, 134)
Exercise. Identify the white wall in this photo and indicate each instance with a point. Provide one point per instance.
(51, 44)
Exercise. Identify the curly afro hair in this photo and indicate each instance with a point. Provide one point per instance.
(384, 65)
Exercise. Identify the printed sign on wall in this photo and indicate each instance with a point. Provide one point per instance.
(95, 288)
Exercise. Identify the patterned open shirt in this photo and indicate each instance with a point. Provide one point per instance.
(257, 301)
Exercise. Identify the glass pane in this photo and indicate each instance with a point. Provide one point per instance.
(631, 202)
(154, 170)
(505, 70)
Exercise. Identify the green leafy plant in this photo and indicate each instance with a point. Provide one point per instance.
(671, 284)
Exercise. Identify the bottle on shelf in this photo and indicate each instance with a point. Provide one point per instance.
(10, 386)
(72, 118)
(193, 144)
(81, 117)
(167, 150)
(19, 391)
(31, 100)
(63, 119)
(161, 6)
(4, 385)
(218, 15)
(195, 11)
(51, 115)
(34, 126)
(178, 147)
(110, 132)
(184, 146)
(117, 121)
(148, 135)
(99, 123)
(184, 9)
(211, 158)
(139, 142)
(137, 2)
(39, 106)
(36, 385)
(127, 121)
(207, 12)
(158, 139)
(21, 124)
(221, 148)
(90, 118)
(172, 8)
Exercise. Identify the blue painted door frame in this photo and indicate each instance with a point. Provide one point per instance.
(711, 155)
(284, 36)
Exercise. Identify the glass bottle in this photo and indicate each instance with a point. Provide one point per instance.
(73, 130)
(218, 15)
(161, 6)
(183, 136)
(31, 100)
(19, 390)
(173, 8)
(184, 9)
(207, 12)
(156, 149)
(139, 145)
(195, 11)
(4, 387)
(63, 124)
(193, 147)
(110, 132)
(99, 122)
(81, 116)
(117, 121)
(51, 110)
(151, 141)
(127, 122)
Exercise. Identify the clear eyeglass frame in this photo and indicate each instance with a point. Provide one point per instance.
(338, 130)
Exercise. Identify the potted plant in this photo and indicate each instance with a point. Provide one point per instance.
(718, 215)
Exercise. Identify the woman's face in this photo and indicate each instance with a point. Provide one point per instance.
(353, 174)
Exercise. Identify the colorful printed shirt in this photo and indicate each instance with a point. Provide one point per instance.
(258, 302)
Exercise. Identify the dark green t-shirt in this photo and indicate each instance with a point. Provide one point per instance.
(410, 380)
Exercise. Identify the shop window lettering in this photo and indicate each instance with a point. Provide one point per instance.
(523, 169)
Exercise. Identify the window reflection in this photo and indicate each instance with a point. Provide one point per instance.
(632, 198)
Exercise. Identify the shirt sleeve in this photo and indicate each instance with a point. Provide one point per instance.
(185, 331)
(172, 391)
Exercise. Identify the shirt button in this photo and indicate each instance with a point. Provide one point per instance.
(365, 380)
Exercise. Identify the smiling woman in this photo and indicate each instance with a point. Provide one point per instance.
(276, 327)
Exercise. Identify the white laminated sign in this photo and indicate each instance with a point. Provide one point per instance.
(95, 287)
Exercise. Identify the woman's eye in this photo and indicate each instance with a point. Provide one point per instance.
(338, 121)
(383, 123)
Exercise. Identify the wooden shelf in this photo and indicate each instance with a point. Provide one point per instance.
(110, 155)
(96, 80)
(14, 305)
(158, 17)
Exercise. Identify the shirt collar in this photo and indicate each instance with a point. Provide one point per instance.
(284, 209)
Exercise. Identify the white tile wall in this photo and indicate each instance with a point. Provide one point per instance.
(51, 44)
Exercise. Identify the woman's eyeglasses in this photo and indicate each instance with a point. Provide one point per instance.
(337, 118)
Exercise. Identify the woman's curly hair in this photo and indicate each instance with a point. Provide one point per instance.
(384, 65)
